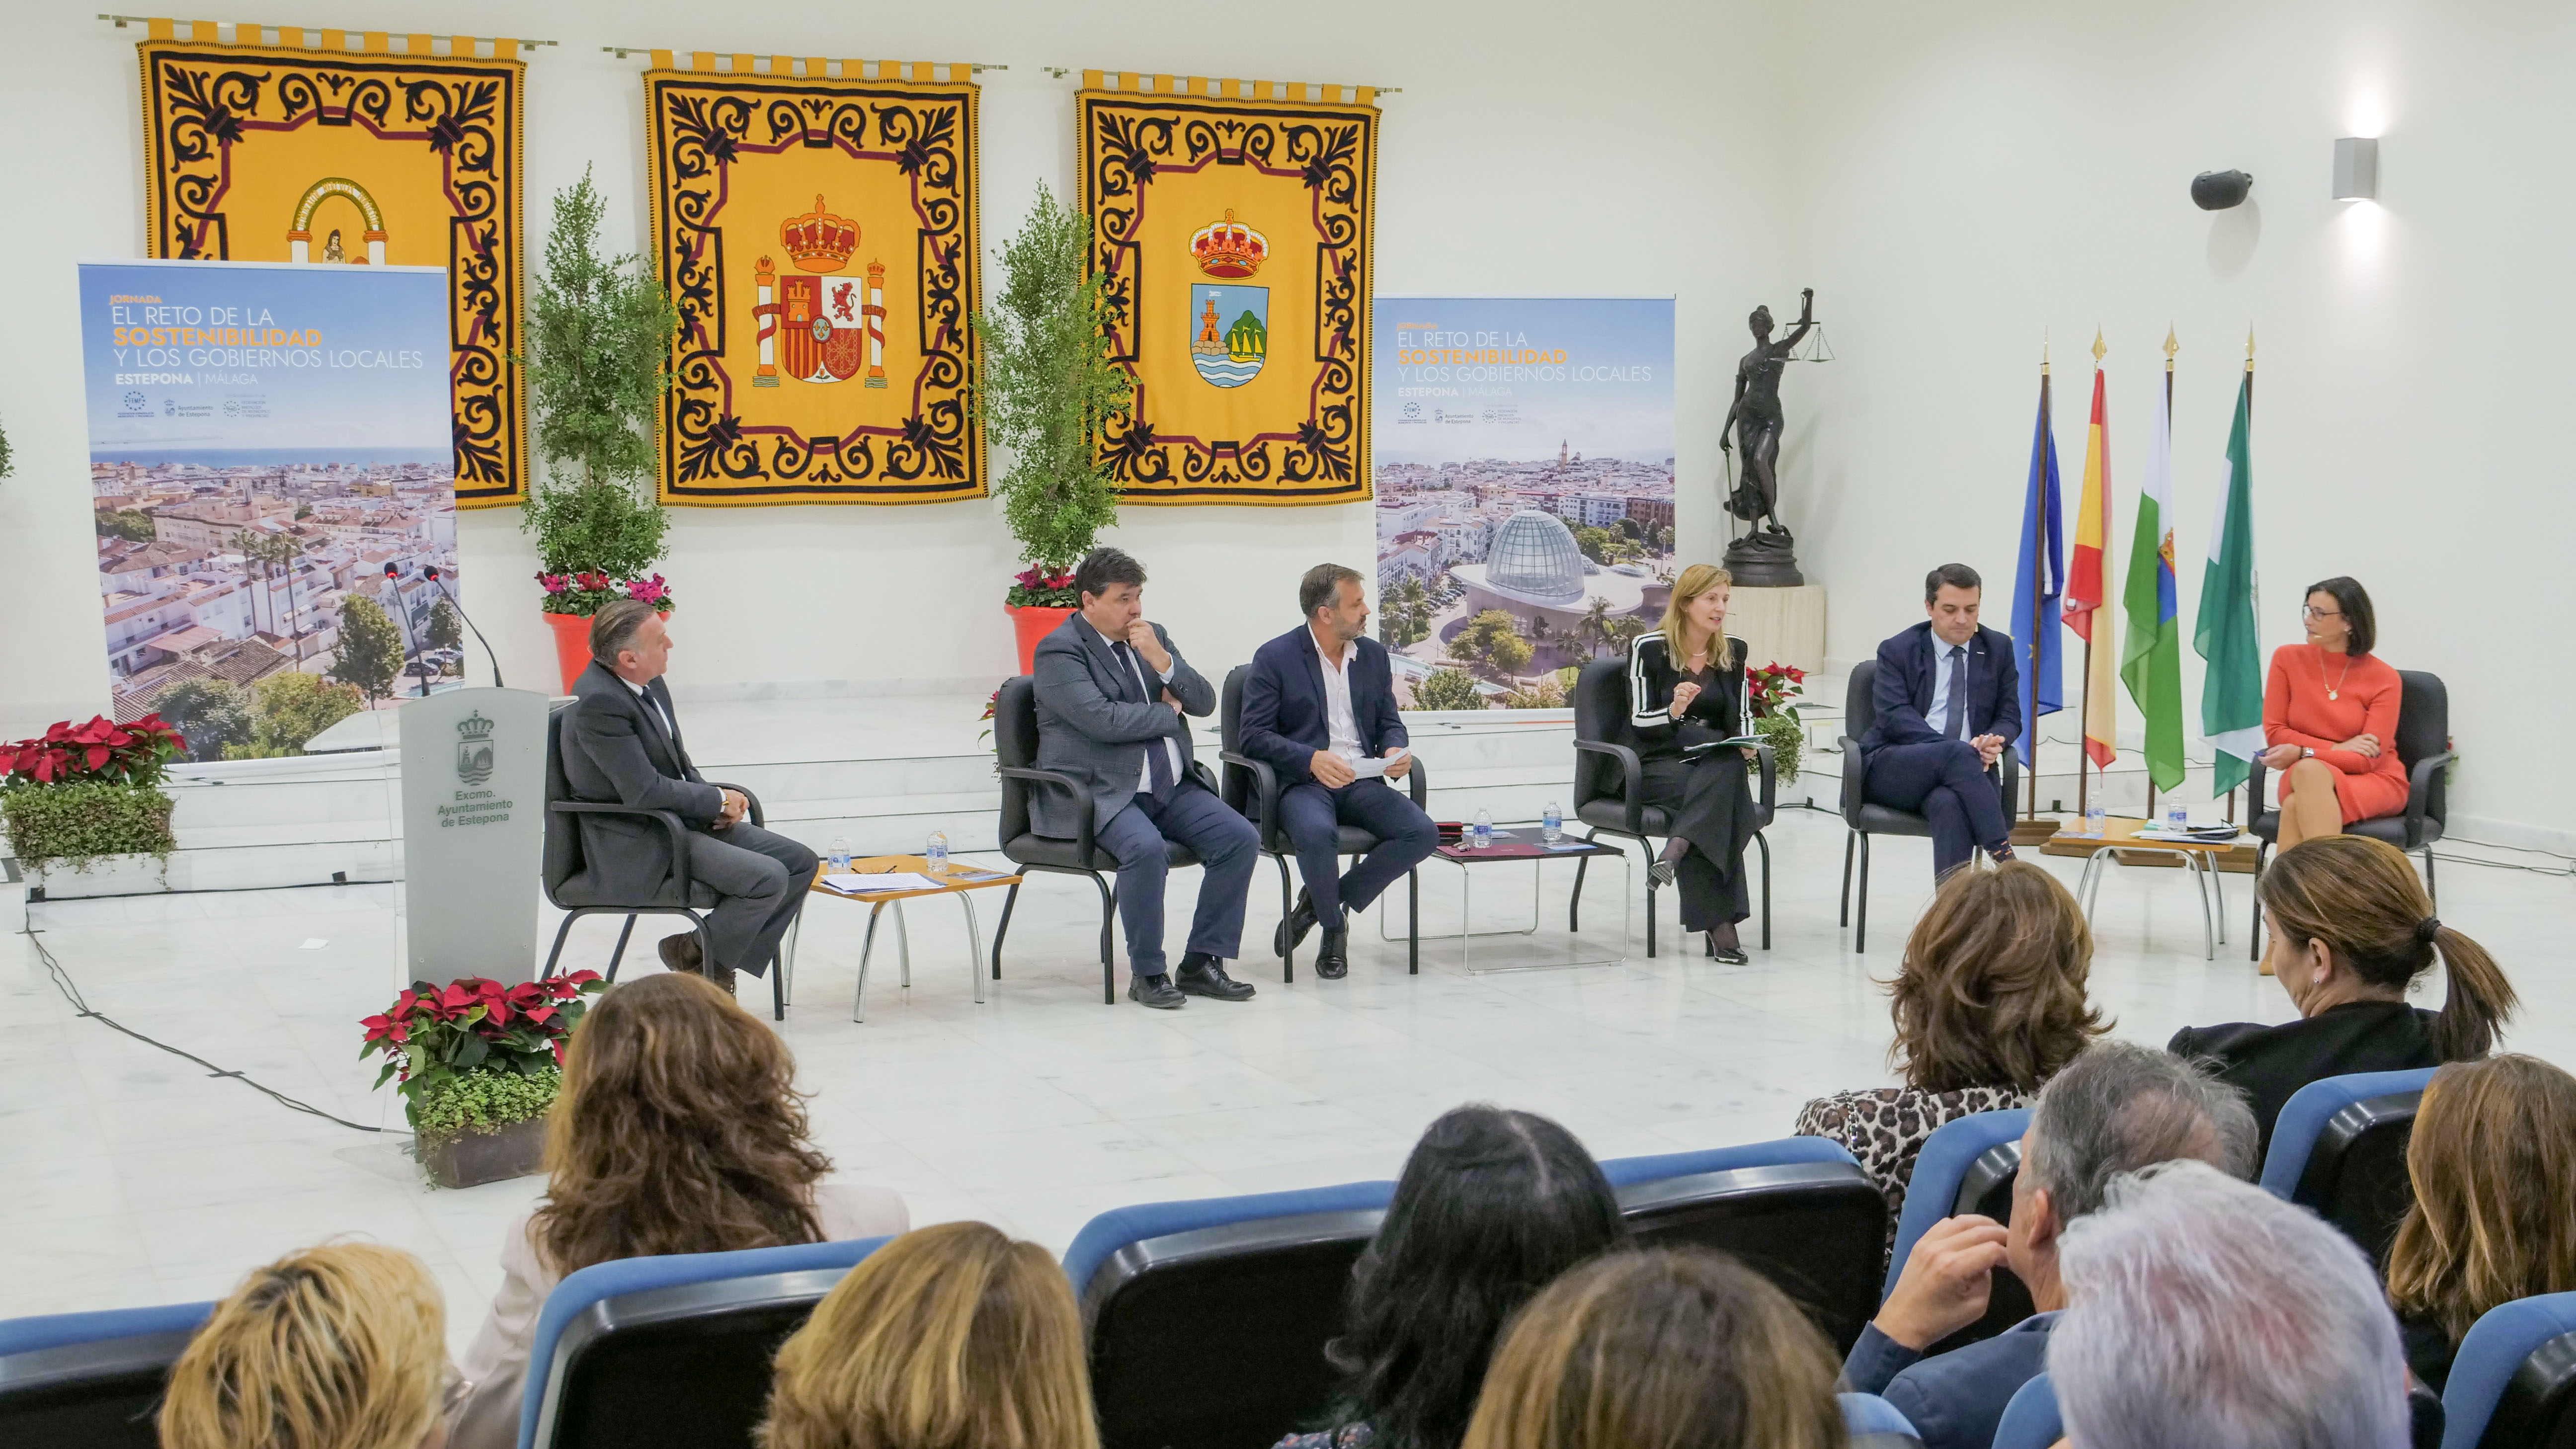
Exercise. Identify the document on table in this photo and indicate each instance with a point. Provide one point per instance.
(882, 882)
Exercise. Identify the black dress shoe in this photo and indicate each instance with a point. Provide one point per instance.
(1725, 955)
(1291, 933)
(680, 952)
(1333, 958)
(1157, 992)
(1205, 976)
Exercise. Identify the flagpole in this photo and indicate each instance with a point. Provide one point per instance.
(2171, 347)
(2034, 651)
(2253, 807)
(2084, 700)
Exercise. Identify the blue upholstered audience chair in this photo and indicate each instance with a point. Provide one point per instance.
(1252, 788)
(1798, 1211)
(90, 1380)
(1609, 786)
(1967, 1166)
(671, 1351)
(2031, 1420)
(1874, 1423)
(1207, 1319)
(1015, 746)
(1862, 819)
(2339, 1150)
(2423, 747)
(564, 871)
(2514, 1384)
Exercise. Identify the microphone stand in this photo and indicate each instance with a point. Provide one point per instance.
(393, 594)
(432, 572)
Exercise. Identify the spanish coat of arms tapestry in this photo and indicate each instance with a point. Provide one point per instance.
(816, 227)
(1235, 221)
(353, 153)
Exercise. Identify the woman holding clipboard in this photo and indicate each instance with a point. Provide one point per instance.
(1685, 698)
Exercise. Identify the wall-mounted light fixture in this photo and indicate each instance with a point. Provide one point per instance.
(2219, 190)
(2356, 168)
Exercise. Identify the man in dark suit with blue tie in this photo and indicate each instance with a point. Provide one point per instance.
(1319, 701)
(1112, 694)
(1948, 696)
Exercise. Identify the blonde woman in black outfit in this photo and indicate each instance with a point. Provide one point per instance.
(2351, 930)
(1685, 687)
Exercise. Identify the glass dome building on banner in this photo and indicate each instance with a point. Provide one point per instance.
(1534, 560)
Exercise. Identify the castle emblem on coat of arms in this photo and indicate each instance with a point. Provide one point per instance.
(1229, 322)
(819, 327)
(474, 749)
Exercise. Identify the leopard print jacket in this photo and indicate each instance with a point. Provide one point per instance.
(1885, 1126)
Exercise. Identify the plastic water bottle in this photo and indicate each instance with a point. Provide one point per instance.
(2177, 817)
(936, 852)
(1484, 838)
(1551, 826)
(2096, 820)
(840, 855)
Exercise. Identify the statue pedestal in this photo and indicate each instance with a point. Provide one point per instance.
(1779, 626)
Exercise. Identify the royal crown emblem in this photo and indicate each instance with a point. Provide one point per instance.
(818, 241)
(1229, 249)
(474, 749)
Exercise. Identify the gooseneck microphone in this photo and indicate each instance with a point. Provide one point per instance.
(393, 599)
(430, 572)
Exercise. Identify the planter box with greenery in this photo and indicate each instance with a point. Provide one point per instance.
(86, 798)
(1044, 388)
(479, 1063)
(598, 362)
(1775, 718)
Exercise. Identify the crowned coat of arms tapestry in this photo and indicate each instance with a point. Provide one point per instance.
(1236, 222)
(816, 227)
(354, 153)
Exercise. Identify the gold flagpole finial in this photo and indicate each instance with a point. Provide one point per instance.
(2249, 347)
(2171, 347)
(2099, 351)
(2043, 352)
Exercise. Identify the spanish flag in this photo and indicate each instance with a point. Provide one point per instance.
(2085, 595)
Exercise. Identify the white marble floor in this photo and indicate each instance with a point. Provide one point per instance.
(133, 1177)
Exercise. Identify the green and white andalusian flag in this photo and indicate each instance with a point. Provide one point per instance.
(2231, 695)
(2151, 655)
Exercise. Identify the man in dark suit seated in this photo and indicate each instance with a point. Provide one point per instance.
(1948, 696)
(1319, 700)
(1111, 695)
(622, 745)
(2114, 1109)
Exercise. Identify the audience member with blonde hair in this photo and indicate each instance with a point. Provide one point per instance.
(338, 1347)
(1989, 1003)
(2352, 930)
(678, 1130)
(2493, 1162)
(953, 1337)
(1656, 1349)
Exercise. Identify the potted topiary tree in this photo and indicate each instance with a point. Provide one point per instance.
(1044, 388)
(84, 806)
(598, 362)
(478, 1065)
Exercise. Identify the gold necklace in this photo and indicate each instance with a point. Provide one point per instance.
(2335, 689)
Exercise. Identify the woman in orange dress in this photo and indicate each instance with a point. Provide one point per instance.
(2330, 717)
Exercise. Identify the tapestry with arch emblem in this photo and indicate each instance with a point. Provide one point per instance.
(356, 148)
(815, 222)
(1236, 222)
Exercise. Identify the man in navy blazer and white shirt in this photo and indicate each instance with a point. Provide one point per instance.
(1948, 696)
(1319, 700)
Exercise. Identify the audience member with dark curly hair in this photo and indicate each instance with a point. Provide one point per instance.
(678, 1130)
(1989, 1003)
(1492, 1206)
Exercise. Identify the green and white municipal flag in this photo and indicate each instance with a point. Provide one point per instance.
(2151, 654)
(2231, 696)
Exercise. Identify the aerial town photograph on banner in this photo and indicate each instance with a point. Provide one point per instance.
(1524, 474)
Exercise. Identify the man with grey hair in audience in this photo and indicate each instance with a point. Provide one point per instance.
(2209, 1312)
(2115, 1109)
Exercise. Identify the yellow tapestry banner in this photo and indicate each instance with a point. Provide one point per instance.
(338, 148)
(815, 222)
(1236, 221)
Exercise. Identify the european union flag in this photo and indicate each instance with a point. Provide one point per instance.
(2039, 581)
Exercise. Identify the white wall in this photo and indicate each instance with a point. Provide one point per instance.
(1969, 176)
(1532, 151)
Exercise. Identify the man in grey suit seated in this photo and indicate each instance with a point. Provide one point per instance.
(622, 745)
(1111, 696)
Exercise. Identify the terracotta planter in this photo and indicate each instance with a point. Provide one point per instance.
(572, 643)
(1032, 622)
(470, 1159)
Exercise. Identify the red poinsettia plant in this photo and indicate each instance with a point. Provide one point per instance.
(1773, 687)
(432, 1035)
(1034, 588)
(130, 754)
(586, 594)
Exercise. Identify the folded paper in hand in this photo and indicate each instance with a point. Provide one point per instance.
(1741, 741)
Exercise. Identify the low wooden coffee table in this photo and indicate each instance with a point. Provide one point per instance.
(2200, 857)
(960, 881)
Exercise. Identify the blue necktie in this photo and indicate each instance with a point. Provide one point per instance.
(1158, 758)
(1956, 726)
